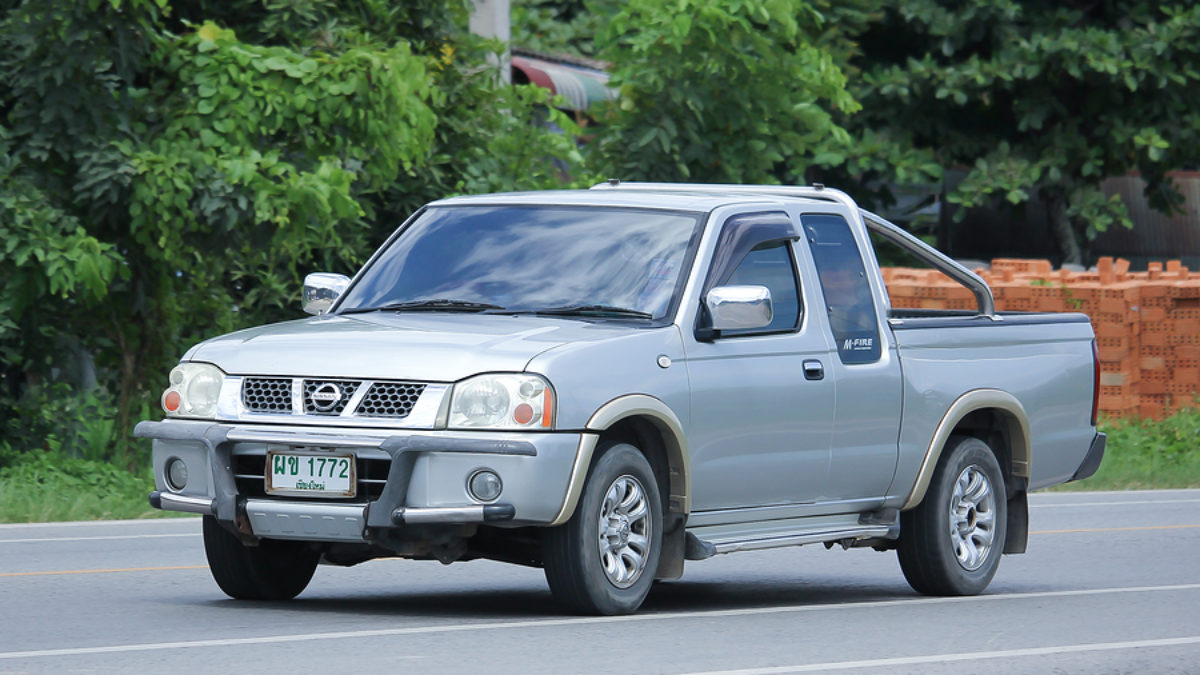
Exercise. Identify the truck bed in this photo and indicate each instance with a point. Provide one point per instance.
(1043, 360)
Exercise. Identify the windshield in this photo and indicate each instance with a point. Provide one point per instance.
(593, 261)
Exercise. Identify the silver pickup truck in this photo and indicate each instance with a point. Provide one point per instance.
(605, 383)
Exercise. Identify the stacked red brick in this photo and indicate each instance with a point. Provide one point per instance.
(1147, 323)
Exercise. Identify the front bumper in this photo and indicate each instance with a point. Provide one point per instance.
(425, 482)
(279, 519)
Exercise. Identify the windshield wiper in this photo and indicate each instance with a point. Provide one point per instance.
(592, 310)
(436, 304)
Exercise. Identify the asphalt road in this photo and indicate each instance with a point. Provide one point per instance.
(1111, 584)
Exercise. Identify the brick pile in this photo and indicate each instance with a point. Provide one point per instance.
(1147, 323)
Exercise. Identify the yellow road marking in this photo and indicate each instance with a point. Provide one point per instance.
(1118, 529)
(111, 571)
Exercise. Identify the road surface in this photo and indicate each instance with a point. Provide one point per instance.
(1111, 583)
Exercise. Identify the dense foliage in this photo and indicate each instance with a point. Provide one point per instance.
(1030, 100)
(718, 92)
(170, 171)
(1039, 99)
(567, 27)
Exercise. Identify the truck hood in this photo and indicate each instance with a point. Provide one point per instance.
(426, 347)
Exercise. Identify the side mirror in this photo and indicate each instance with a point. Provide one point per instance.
(739, 307)
(321, 290)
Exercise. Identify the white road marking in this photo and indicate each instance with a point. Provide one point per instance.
(953, 658)
(1128, 503)
(99, 538)
(547, 623)
(1118, 493)
(102, 523)
(1142, 528)
(118, 570)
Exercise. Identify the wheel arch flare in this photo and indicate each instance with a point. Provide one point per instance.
(648, 423)
(999, 412)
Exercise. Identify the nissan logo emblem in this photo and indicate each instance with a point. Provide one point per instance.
(325, 397)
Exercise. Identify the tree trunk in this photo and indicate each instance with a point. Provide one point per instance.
(1064, 234)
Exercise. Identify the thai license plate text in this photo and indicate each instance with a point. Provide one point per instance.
(310, 475)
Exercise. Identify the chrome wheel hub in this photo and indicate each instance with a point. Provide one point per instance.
(624, 531)
(972, 518)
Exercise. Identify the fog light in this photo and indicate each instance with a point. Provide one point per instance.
(177, 474)
(485, 485)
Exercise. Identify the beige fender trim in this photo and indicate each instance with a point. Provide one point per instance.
(978, 399)
(634, 405)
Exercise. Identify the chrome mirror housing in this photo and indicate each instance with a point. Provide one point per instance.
(739, 307)
(321, 290)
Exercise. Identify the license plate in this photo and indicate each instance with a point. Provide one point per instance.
(310, 474)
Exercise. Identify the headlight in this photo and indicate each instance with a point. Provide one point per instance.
(502, 401)
(194, 390)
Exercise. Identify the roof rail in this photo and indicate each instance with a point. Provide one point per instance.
(816, 191)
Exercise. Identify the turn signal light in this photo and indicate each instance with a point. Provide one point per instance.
(170, 401)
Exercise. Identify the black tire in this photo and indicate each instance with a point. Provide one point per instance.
(574, 564)
(951, 543)
(273, 570)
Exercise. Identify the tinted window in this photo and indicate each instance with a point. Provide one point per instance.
(528, 258)
(770, 265)
(845, 287)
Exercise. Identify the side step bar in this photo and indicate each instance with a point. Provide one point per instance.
(705, 542)
(703, 548)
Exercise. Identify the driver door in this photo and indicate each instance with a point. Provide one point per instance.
(762, 417)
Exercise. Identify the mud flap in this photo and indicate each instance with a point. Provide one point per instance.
(670, 563)
(1018, 523)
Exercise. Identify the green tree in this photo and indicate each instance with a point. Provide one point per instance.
(488, 138)
(561, 26)
(1038, 100)
(719, 92)
(868, 162)
(215, 170)
(169, 171)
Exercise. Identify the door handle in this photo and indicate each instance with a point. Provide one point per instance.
(813, 370)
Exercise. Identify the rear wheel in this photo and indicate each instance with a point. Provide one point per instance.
(603, 560)
(273, 570)
(951, 543)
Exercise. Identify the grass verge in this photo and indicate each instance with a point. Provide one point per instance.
(45, 487)
(1148, 454)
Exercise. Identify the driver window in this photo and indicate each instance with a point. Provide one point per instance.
(770, 265)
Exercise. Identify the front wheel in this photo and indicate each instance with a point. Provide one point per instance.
(603, 560)
(273, 570)
(951, 543)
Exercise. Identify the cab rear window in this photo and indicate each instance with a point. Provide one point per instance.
(844, 285)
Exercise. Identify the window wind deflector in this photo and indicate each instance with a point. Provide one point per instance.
(743, 233)
(590, 310)
(437, 304)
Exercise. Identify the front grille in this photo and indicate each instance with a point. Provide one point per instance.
(390, 399)
(267, 395)
(249, 471)
(331, 396)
